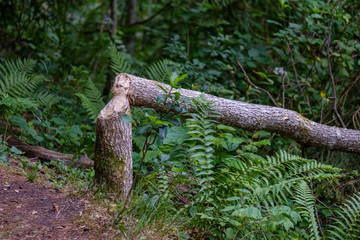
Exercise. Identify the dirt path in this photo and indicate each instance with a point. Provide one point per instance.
(38, 211)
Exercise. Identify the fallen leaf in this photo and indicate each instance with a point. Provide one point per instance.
(56, 208)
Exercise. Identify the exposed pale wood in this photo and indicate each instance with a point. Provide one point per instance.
(49, 155)
(113, 147)
(255, 117)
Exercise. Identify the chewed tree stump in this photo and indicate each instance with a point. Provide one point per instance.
(113, 147)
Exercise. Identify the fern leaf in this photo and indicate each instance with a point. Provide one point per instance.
(16, 80)
(160, 70)
(118, 63)
(46, 99)
(306, 203)
(347, 225)
(91, 100)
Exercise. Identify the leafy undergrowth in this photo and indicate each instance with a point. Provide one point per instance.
(58, 204)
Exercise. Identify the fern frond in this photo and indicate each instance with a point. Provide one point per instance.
(16, 80)
(202, 153)
(306, 203)
(46, 99)
(91, 100)
(18, 65)
(17, 104)
(272, 181)
(347, 225)
(118, 63)
(159, 70)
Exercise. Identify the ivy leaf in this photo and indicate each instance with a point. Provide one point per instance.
(143, 129)
(13, 149)
(254, 53)
(126, 118)
(177, 95)
(176, 135)
(178, 79)
(262, 142)
(288, 224)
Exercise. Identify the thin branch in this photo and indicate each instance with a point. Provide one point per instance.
(151, 17)
(188, 44)
(251, 30)
(328, 43)
(329, 208)
(283, 89)
(253, 85)
(148, 142)
(354, 116)
(297, 76)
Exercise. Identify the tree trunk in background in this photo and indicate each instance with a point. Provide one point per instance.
(109, 74)
(254, 117)
(113, 146)
(114, 17)
(130, 41)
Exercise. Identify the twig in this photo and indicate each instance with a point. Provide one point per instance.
(297, 76)
(322, 111)
(188, 44)
(251, 30)
(246, 235)
(357, 112)
(328, 42)
(148, 142)
(252, 84)
(151, 17)
(325, 206)
(283, 89)
(354, 80)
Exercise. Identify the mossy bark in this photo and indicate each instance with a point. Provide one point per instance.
(113, 147)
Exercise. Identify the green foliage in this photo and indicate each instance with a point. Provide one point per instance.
(91, 100)
(159, 70)
(18, 84)
(306, 203)
(346, 225)
(29, 169)
(62, 174)
(118, 62)
(201, 152)
(227, 183)
(154, 213)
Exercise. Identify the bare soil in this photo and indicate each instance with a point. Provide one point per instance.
(37, 210)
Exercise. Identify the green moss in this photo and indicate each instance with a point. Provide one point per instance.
(109, 169)
(305, 125)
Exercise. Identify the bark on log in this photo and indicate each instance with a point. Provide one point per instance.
(113, 146)
(253, 117)
(48, 155)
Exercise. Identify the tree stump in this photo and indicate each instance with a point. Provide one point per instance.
(113, 146)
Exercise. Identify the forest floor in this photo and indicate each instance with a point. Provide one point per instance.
(38, 210)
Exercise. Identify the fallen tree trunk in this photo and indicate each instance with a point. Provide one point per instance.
(48, 155)
(253, 117)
